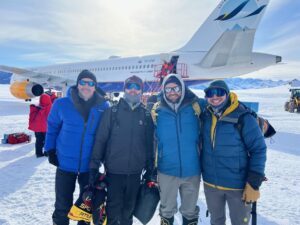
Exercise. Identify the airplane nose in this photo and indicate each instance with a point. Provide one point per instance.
(278, 59)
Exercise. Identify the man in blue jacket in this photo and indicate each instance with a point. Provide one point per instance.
(72, 124)
(177, 133)
(233, 156)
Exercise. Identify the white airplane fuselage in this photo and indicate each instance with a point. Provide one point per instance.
(111, 73)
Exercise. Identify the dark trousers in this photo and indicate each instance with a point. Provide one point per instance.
(39, 142)
(122, 192)
(65, 183)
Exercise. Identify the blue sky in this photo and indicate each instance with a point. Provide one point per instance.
(36, 33)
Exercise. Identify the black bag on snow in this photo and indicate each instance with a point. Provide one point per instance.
(147, 201)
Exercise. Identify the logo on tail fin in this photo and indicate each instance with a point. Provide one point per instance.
(256, 11)
(240, 13)
(246, 9)
(227, 16)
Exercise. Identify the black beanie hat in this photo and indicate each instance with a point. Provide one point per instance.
(218, 84)
(86, 74)
(134, 80)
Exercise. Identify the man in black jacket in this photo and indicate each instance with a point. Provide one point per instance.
(124, 143)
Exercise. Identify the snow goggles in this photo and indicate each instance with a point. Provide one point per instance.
(130, 86)
(84, 82)
(219, 92)
(176, 89)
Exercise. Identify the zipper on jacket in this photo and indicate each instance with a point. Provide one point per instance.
(178, 143)
(131, 138)
(92, 120)
(214, 137)
(213, 152)
(215, 131)
(81, 146)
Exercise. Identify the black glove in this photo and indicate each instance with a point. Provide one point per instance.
(52, 157)
(93, 174)
(101, 181)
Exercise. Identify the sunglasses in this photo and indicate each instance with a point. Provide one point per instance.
(89, 83)
(176, 89)
(131, 86)
(219, 92)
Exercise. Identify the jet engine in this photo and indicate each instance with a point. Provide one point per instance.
(25, 89)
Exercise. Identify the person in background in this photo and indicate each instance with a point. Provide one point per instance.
(52, 95)
(38, 122)
(72, 125)
(151, 101)
(233, 157)
(124, 144)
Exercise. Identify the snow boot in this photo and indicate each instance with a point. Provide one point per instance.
(189, 222)
(166, 221)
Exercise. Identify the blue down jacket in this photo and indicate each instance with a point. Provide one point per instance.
(70, 135)
(178, 138)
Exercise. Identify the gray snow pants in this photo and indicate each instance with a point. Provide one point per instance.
(189, 191)
(216, 199)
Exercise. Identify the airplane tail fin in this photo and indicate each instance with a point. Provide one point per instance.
(230, 16)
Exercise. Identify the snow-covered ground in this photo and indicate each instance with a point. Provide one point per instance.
(27, 183)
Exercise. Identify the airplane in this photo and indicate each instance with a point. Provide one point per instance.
(220, 48)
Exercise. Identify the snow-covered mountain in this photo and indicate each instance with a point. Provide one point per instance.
(247, 83)
(4, 77)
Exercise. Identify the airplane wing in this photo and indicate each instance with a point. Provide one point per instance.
(39, 77)
(13, 69)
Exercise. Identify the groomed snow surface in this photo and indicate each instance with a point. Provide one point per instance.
(27, 183)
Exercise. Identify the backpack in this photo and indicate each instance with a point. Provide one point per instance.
(266, 128)
(17, 138)
(34, 110)
(33, 115)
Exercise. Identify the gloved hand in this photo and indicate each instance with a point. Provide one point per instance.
(250, 195)
(93, 174)
(52, 157)
(101, 181)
